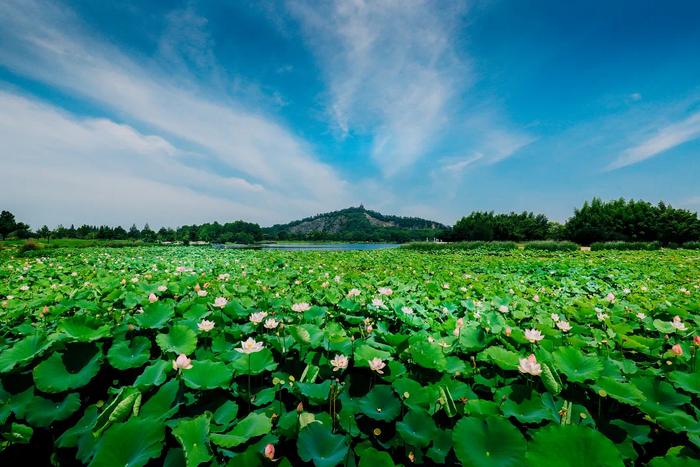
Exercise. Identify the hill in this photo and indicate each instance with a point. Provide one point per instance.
(356, 224)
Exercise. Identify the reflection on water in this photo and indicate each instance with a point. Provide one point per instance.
(312, 246)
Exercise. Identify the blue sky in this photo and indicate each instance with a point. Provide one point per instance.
(187, 112)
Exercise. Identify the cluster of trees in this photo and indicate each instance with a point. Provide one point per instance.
(10, 226)
(597, 221)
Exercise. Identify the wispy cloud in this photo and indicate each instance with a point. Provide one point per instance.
(48, 43)
(662, 140)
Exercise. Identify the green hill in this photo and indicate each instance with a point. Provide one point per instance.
(356, 224)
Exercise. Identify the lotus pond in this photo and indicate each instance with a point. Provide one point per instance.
(189, 356)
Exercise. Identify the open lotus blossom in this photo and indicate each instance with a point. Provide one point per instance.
(24, 288)
(202, 293)
(555, 317)
(536, 298)
(641, 315)
(220, 302)
(182, 362)
(250, 346)
(224, 277)
(533, 335)
(205, 325)
(678, 324)
(180, 269)
(407, 310)
(610, 297)
(270, 452)
(353, 293)
(162, 288)
(626, 291)
(503, 309)
(385, 291)
(299, 307)
(445, 286)
(677, 350)
(152, 298)
(256, 318)
(340, 362)
(564, 326)
(377, 364)
(601, 316)
(271, 323)
(378, 302)
(530, 366)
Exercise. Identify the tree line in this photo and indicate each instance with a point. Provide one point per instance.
(595, 221)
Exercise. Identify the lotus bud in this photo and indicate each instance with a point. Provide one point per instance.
(270, 451)
(677, 350)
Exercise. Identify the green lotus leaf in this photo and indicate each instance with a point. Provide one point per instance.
(492, 441)
(23, 351)
(426, 354)
(251, 426)
(623, 392)
(160, 404)
(528, 406)
(689, 382)
(380, 404)
(43, 412)
(124, 354)
(472, 338)
(370, 457)
(193, 436)
(254, 363)
(572, 446)
(504, 359)
(419, 396)
(417, 428)
(72, 436)
(155, 315)
(364, 353)
(316, 393)
(52, 376)
(180, 339)
(441, 447)
(84, 329)
(660, 397)
(316, 443)
(577, 366)
(226, 413)
(154, 374)
(18, 434)
(206, 374)
(132, 443)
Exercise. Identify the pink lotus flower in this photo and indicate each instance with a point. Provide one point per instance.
(270, 452)
(407, 310)
(182, 362)
(299, 307)
(564, 326)
(385, 291)
(678, 324)
(353, 293)
(205, 325)
(271, 323)
(250, 346)
(555, 317)
(180, 269)
(610, 297)
(377, 364)
(220, 302)
(202, 293)
(530, 366)
(162, 288)
(340, 362)
(533, 335)
(536, 298)
(503, 309)
(256, 318)
(378, 302)
(677, 350)
(152, 298)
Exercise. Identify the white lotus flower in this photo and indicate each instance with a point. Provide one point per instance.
(202, 293)
(564, 326)
(555, 317)
(503, 309)
(385, 291)
(250, 346)
(353, 293)
(377, 364)
(220, 302)
(299, 307)
(340, 362)
(678, 324)
(530, 366)
(256, 318)
(377, 302)
(533, 335)
(536, 298)
(407, 310)
(205, 325)
(271, 323)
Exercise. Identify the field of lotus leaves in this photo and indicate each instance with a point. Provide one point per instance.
(189, 356)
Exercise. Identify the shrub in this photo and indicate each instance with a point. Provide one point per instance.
(552, 246)
(691, 245)
(622, 246)
(477, 245)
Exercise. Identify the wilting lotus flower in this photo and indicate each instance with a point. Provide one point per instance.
(536, 298)
(677, 350)
(270, 452)
(564, 326)
(250, 346)
(220, 302)
(299, 307)
(202, 293)
(530, 366)
(533, 335)
(256, 318)
(182, 362)
(377, 364)
(353, 293)
(678, 324)
(152, 298)
(205, 325)
(162, 288)
(340, 362)
(503, 309)
(271, 323)
(385, 291)
(610, 297)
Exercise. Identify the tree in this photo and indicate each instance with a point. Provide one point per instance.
(45, 232)
(7, 224)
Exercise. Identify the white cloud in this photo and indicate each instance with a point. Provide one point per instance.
(46, 42)
(662, 140)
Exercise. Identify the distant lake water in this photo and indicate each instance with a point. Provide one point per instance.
(315, 246)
